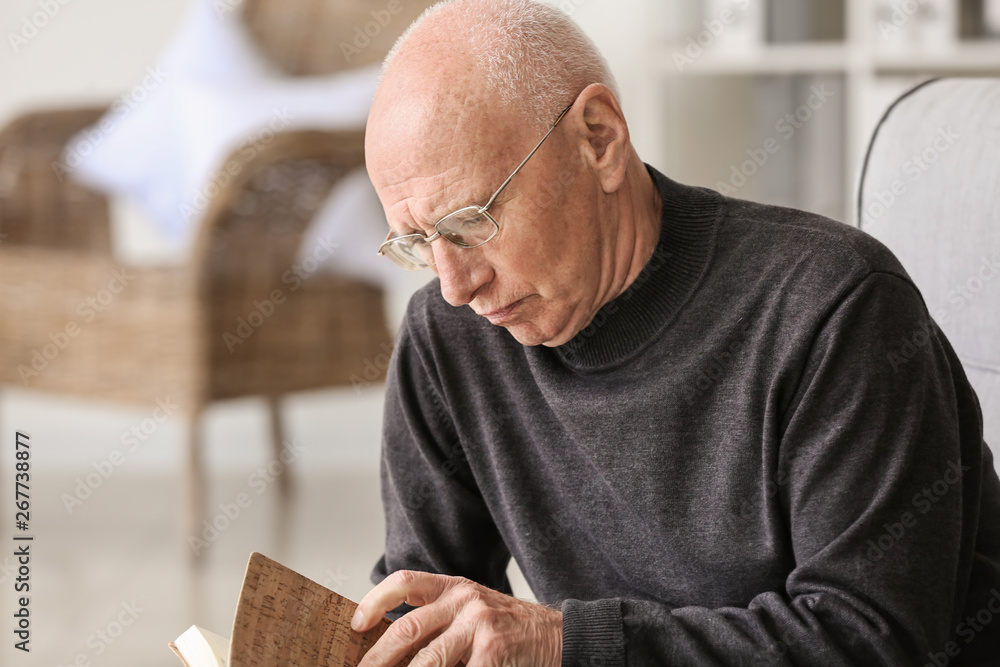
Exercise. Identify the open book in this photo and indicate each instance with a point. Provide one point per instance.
(282, 618)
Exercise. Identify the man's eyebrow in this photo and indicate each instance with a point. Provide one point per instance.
(483, 197)
(403, 227)
(404, 230)
(481, 201)
(504, 196)
(447, 209)
(444, 210)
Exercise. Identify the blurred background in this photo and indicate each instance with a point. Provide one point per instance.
(194, 327)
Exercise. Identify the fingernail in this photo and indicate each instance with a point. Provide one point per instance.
(358, 620)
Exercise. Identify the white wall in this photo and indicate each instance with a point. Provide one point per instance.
(623, 33)
(89, 51)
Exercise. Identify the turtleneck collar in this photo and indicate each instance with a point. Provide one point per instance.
(627, 323)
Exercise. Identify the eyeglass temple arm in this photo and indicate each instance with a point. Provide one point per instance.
(525, 160)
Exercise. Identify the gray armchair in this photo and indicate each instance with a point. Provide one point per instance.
(930, 190)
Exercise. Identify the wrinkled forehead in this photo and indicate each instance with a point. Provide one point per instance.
(439, 150)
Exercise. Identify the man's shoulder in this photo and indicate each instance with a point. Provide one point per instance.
(785, 239)
(774, 238)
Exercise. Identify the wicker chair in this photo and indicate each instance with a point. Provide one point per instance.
(162, 337)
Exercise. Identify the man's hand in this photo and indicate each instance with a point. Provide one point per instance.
(458, 621)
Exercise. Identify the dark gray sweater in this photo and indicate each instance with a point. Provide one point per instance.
(763, 452)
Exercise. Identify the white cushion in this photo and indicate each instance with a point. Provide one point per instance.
(137, 150)
(161, 147)
(218, 120)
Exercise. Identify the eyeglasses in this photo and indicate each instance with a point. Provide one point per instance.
(468, 227)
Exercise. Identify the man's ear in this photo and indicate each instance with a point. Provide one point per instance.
(606, 135)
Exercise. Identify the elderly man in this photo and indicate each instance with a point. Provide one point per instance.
(672, 408)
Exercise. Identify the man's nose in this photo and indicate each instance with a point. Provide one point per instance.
(462, 272)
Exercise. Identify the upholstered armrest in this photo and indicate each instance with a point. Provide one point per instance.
(40, 205)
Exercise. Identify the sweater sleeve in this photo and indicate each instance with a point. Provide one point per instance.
(436, 518)
(881, 470)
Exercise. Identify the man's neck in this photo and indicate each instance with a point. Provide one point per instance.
(643, 209)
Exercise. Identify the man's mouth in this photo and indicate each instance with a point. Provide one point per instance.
(501, 315)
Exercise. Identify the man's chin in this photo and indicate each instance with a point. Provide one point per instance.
(525, 333)
(530, 334)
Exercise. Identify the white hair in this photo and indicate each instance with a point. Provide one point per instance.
(536, 59)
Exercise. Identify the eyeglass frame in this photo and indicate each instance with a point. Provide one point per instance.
(389, 239)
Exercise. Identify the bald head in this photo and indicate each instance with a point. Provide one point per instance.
(471, 81)
(533, 59)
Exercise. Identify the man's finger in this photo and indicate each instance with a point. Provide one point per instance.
(419, 627)
(451, 648)
(413, 588)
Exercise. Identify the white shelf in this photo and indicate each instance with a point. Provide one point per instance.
(827, 58)
(722, 89)
(969, 57)
(834, 58)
